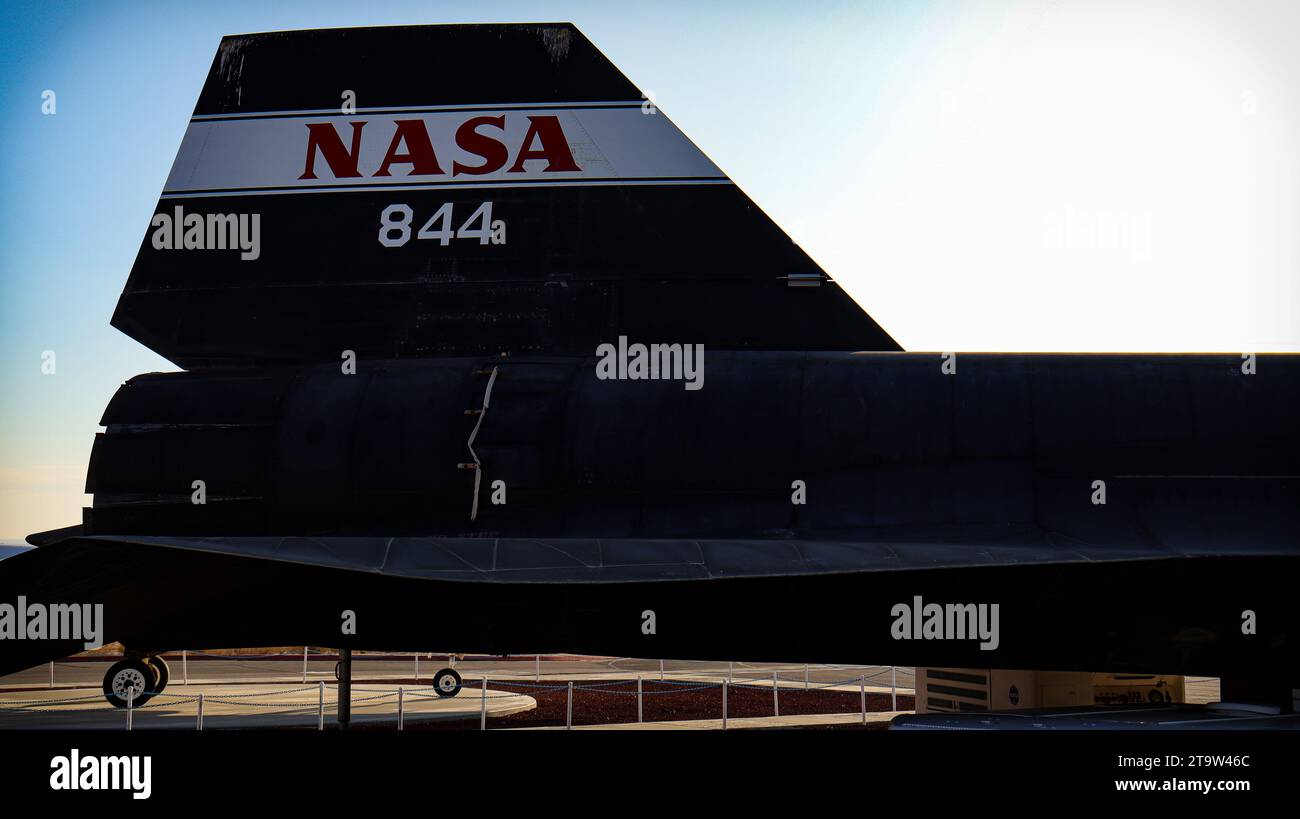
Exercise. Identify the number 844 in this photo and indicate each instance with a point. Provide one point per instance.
(395, 226)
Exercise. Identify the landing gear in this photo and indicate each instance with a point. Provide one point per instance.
(132, 679)
(161, 671)
(447, 682)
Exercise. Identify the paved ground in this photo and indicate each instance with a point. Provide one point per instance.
(243, 692)
(874, 718)
(246, 706)
(208, 669)
(277, 686)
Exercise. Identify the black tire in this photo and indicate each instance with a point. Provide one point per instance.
(162, 673)
(130, 673)
(447, 682)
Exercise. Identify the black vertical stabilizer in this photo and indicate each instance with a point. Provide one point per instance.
(534, 202)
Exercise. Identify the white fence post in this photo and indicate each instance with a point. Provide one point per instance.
(401, 706)
(805, 676)
(304, 665)
(568, 719)
(482, 711)
(776, 702)
(417, 666)
(537, 672)
(320, 708)
(862, 693)
(730, 670)
(199, 726)
(893, 687)
(185, 665)
(724, 704)
(51, 673)
(661, 671)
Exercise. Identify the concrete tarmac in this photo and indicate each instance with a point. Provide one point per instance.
(874, 718)
(286, 690)
(247, 706)
(210, 669)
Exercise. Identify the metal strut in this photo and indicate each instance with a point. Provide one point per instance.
(478, 471)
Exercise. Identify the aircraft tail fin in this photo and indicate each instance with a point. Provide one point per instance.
(457, 190)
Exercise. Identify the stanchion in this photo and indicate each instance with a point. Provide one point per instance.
(320, 720)
(724, 705)
(199, 715)
(417, 666)
(776, 702)
(130, 706)
(805, 676)
(185, 665)
(893, 687)
(639, 712)
(568, 718)
(345, 688)
(730, 670)
(482, 711)
(537, 669)
(304, 665)
(51, 674)
(862, 693)
(401, 706)
(661, 671)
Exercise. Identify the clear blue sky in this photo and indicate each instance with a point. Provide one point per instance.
(950, 163)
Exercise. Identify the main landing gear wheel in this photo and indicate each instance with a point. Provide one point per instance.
(446, 682)
(129, 675)
(162, 673)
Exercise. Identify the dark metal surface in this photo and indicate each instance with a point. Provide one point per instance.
(1166, 615)
(1198, 458)
(583, 264)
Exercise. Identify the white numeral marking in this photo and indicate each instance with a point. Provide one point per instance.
(395, 226)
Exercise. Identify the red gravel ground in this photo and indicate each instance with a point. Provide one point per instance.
(614, 701)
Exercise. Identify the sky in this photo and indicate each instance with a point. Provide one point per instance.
(1042, 175)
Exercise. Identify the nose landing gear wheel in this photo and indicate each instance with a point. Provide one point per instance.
(447, 682)
(129, 675)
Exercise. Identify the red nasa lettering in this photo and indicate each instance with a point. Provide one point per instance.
(411, 148)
